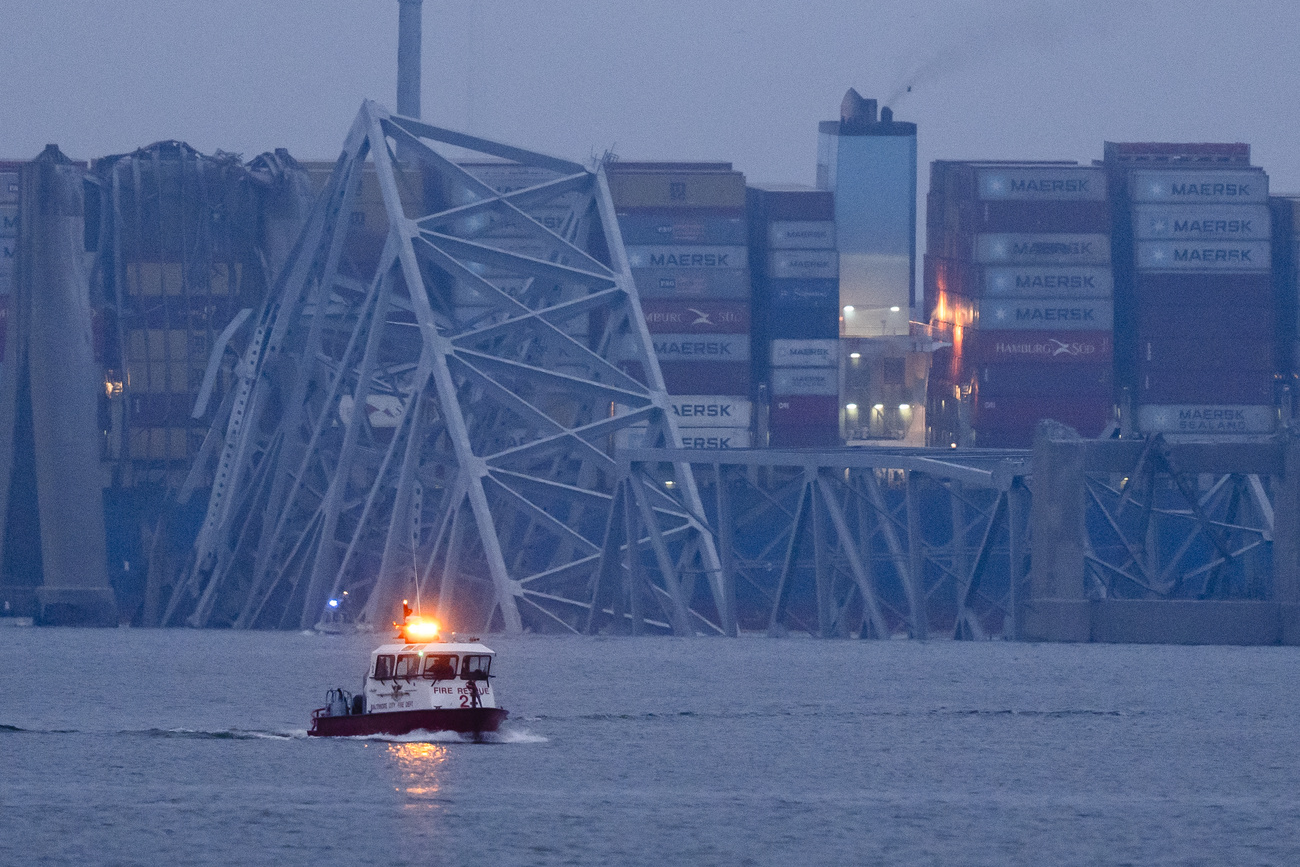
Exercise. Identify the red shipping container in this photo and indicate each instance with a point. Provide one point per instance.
(1009, 422)
(1063, 381)
(1194, 323)
(805, 437)
(804, 410)
(1208, 352)
(672, 316)
(706, 377)
(1204, 386)
(1204, 290)
(1078, 217)
(1039, 347)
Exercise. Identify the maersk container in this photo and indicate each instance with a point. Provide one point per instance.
(1199, 186)
(1041, 183)
(1052, 380)
(1056, 281)
(1042, 249)
(9, 185)
(805, 353)
(1202, 222)
(706, 377)
(1207, 352)
(1190, 289)
(688, 256)
(1157, 385)
(718, 228)
(675, 186)
(669, 316)
(804, 410)
(1207, 418)
(1039, 347)
(794, 292)
(8, 221)
(692, 283)
(805, 380)
(701, 347)
(803, 265)
(1208, 255)
(1040, 314)
(801, 235)
(715, 437)
(708, 410)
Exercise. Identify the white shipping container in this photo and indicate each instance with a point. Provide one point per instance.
(708, 410)
(1216, 222)
(1042, 184)
(803, 265)
(687, 256)
(1045, 314)
(805, 353)
(1198, 186)
(1206, 419)
(801, 234)
(1042, 249)
(714, 437)
(1203, 256)
(8, 221)
(632, 437)
(1063, 281)
(822, 381)
(701, 347)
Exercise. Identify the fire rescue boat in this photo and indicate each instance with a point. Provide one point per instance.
(421, 682)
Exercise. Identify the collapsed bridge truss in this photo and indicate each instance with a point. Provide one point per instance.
(439, 417)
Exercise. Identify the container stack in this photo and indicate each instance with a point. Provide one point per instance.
(1018, 278)
(9, 187)
(1200, 305)
(796, 310)
(683, 225)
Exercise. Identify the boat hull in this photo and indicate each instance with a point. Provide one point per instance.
(472, 721)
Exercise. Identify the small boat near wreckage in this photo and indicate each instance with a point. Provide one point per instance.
(421, 682)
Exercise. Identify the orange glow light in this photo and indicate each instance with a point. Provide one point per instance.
(418, 627)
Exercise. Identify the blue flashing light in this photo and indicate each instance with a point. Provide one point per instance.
(334, 603)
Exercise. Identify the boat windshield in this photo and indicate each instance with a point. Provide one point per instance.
(383, 666)
(476, 667)
(408, 665)
(440, 666)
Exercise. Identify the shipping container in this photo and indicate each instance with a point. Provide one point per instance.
(8, 221)
(669, 316)
(1054, 380)
(509, 177)
(708, 410)
(1192, 289)
(10, 185)
(803, 321)
(805, 353)
(1042, 249)
(1195, 352)
(795, 292)
(805, 437)
(669, 186)
(1193, 323)
(715, 438)
(803, 265)
(1199, 186)
(701, 347)
(1161, 385)
(805, 380)
(1042, 347)
(690, 283)
(705, 377)
(779, 203)
(1048, 280)
(801, 235)
(1040, 314)
(1200, 418)
(1203, 255)
(805, 410)
(719, 228)
(1010, 421)
(1041, 183)
(1077, 218)
(1201, 222)
(671, 256)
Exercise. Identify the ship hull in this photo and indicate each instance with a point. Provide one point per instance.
(471, 721)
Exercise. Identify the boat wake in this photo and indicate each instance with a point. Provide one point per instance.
(421, 736)
(183, 734)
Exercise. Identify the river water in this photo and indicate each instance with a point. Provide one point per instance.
(183, 747)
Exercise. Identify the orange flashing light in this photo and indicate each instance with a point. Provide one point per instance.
(420, 629)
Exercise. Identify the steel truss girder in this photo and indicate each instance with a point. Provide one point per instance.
(867, 542)
(438, 422)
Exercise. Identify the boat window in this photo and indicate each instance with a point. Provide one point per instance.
(476, 667)
(383, 667)
(440, 666)
(408, 665)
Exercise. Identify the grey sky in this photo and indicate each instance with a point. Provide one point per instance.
(671, 79)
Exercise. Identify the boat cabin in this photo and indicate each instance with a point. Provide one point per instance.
(429, 676)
